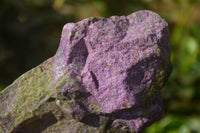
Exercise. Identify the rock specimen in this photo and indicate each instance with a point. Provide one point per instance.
(106, 76)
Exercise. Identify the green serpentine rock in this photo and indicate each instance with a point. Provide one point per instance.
(106, 77)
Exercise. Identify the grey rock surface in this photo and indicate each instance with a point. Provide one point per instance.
(106, 76)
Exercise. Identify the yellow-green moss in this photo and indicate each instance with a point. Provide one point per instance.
(95, 107)
(76, 33)
(26, 94)
(33, 87)
(1, 130)
(31, 93)
(69, 126)
(133, 16)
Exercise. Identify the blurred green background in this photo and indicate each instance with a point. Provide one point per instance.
(30, 31)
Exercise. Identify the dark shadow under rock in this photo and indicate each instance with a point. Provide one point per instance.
(36, 124)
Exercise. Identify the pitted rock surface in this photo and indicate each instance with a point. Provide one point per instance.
(106, 76)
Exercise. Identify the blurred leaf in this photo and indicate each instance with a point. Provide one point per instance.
(176, 35)
(186, 93)
(1, 88)
(170, 124)
(58, 4)
(184, 129)
(195, 32)
(188, 53)
(100, 6)
(194, 124)
(193, 1)
(38, 3)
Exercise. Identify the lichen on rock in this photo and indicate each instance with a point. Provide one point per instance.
(106, 76)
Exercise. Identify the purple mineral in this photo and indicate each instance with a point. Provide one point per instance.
(106, 76)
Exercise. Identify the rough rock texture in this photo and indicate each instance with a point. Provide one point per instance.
(106, 76)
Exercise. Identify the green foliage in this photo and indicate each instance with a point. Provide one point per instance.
(1, 88)
(30, 32)
(175, 124)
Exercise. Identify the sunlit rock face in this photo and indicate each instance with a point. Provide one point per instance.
(106, 76)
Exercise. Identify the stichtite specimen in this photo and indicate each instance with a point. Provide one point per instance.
(106, 76)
